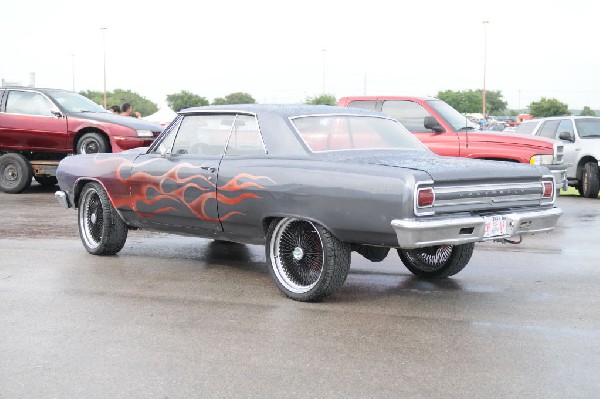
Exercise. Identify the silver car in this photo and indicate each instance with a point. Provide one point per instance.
(581, 137)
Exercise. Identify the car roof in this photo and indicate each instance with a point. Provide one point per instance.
(283, 110)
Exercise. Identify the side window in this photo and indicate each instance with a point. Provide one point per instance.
(409, 113)
(526, 127)
(27, 103)
(1, 99)
(364, 104)
(565, 125)
(245, 138)
(203, 134)
(548, 129)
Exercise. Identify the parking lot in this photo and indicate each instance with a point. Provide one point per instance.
(176, 317)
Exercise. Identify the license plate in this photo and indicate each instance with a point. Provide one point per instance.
(494, 226)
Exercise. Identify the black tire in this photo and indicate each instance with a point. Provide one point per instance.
(590, 184)
(46, 181)
(438, 261)
(101, 229)
(92, 143)
(15, 173)
(305, 260)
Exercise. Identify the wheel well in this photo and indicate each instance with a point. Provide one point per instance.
(77, 190)
(267, 222)
(90, 130)
(582, 162)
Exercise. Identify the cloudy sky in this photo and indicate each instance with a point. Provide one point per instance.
(281, 51)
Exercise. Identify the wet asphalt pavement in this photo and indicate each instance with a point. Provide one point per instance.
(181, 317)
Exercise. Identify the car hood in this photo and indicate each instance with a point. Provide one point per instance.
(445, 168)
(131, 122)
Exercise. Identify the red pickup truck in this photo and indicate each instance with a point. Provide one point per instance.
(447, 132)
(39, 127)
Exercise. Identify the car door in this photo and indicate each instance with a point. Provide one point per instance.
(174, 187)
(30, 122)
(572, 149)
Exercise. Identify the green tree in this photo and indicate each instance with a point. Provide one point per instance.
(235, 98)
(548, 107)
(471, 101)
(587, 111)
(119, 97)
(185, 99)
(323, 99)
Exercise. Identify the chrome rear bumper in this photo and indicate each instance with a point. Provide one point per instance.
(461, 230)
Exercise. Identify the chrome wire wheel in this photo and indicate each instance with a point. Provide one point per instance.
(431, 258)
(296, 253)
(438, 261)
(91, 220)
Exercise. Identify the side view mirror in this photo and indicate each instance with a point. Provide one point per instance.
(429, 122)
(566, 136)
(56, 112)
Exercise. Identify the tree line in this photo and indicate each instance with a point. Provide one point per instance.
(465, 101)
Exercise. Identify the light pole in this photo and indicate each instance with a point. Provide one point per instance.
(104, 61)
(324, 69)
(73, 69)
(485, 24)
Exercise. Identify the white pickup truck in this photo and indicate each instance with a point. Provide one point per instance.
(581, 137)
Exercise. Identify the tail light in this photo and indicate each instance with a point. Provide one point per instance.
(425, 197)
(548, 189)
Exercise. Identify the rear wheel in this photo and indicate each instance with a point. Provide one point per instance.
(305, 260)
(101, 229)
(438, 261)
(590, 183)
(15, 173)
(92, 143)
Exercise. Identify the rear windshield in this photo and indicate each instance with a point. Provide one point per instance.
(350, 132)
(526, 127)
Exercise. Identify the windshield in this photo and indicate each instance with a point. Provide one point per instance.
(588, 128)
(74, 102)
(351, 132)
(451, 116)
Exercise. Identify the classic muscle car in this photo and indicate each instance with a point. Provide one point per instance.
(311, 183)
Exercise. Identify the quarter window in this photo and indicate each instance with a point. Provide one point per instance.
(28, 103)
(409, 113)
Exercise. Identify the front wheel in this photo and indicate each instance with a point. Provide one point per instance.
(92, 143)
(439, 261)
(101, 229)
(305, 260)
(590, 183)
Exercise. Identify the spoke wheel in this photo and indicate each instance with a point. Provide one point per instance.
(437, 261)
(101, 229)
(15, 173)
(306, 261)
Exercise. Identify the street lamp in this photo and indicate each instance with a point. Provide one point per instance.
(324, 70)
(485, 24)
(104, 61)
(73, 69)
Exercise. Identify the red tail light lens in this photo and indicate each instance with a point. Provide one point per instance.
(425, 197)
(548, 189)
